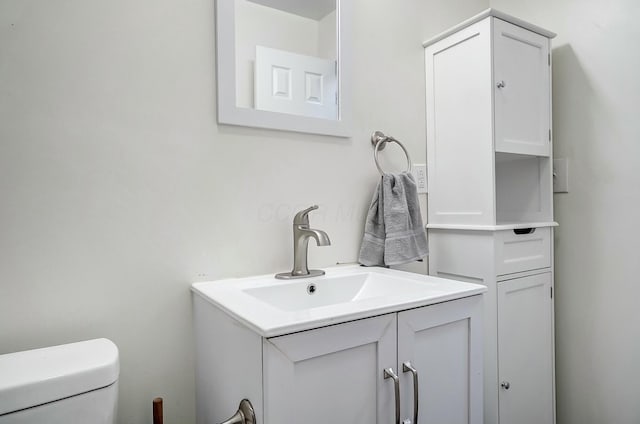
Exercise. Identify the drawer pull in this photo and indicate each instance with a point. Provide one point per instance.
(521, 231)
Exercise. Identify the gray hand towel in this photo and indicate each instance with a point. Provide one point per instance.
(372, 247)
(405, 237)
(394, 233)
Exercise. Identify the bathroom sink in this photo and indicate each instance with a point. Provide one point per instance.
(273, 307)
(338, 289)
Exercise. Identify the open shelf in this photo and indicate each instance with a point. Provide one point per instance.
(523, 189)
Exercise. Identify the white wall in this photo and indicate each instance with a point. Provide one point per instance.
(596, 64)
(118, 189)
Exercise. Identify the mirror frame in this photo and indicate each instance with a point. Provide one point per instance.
(230, 113)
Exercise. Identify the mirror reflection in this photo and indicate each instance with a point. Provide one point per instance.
(286, 57)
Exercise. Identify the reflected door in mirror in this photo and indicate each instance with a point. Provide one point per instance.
(297, 84)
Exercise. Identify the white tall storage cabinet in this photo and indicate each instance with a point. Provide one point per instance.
(490, 215)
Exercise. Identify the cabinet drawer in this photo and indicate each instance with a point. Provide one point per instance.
(517, 250)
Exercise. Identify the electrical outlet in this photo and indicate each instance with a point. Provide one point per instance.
(561, 175)
(420, 174)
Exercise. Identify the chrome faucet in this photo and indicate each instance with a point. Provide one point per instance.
(301, 235)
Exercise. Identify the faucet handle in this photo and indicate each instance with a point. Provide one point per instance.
(302, 217)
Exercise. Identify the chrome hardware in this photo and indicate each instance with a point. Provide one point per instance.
(505, 385)
(301, 235)
(388, 373)
(244, 415)
(407, 367)
(302, 217)
(379, 137)
(379, 142)
(501, 84)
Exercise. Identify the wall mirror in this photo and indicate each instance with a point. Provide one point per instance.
(284, 64)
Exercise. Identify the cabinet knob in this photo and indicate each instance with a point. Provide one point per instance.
(501, 84)
(505, 385)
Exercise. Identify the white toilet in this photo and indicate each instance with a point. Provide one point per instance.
(72, 383)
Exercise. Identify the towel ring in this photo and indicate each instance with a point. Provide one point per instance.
(379, 142)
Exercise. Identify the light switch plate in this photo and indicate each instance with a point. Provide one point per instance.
(561, 175)
(420, 175)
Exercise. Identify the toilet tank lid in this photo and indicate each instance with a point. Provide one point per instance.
(38, 376)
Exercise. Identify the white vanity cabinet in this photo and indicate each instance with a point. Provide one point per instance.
(490, 215)
(335, 374)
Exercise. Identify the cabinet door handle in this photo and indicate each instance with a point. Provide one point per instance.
(505, 385)
(388, 373)
(407, 367)
(501, 84)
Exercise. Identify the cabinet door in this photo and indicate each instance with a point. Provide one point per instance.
(522, 90)
(332, 374)
(459, 128)
(443, 342)
(525, 350)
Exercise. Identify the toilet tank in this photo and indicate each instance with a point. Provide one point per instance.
(71, 383)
